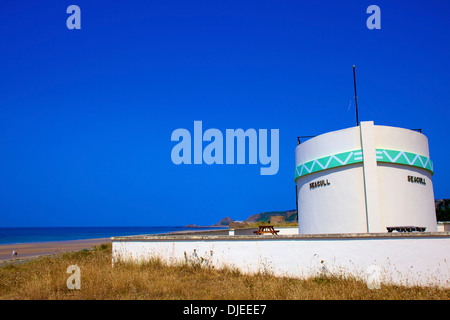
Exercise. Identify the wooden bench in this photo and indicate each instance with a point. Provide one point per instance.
(266, 229)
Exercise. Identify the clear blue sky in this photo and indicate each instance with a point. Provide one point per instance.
(86, 115)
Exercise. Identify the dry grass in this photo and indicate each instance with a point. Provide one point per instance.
(45, 278)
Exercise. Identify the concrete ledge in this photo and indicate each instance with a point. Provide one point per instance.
(216, 237)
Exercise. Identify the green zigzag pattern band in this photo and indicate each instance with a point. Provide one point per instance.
(406, 158)
(351, 157)
(328, 162)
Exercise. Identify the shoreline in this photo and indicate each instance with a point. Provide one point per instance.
(31, 250)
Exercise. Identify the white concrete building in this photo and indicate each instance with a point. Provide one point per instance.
(364, 179)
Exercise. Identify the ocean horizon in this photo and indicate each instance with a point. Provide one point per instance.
(47, 234)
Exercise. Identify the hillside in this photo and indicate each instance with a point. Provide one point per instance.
(290, 216)
(224, 222)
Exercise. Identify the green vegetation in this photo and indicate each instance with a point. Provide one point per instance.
(290, 216)
(443, 210)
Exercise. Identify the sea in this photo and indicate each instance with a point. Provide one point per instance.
(35, 234)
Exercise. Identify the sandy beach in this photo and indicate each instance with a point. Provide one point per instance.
(26, 251)
(31, 250)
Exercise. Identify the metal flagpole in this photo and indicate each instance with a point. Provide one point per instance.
(356, 97)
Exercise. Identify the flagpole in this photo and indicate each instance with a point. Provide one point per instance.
(356, 97)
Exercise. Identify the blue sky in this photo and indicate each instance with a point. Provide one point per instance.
(86, 115)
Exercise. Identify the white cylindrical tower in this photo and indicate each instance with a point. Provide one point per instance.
(364, 179)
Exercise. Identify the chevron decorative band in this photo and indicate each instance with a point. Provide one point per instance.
(403, 157)
(328, 162)
(355, 156)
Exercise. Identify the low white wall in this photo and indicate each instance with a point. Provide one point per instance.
(286, 230)
(250, 231)
(443, 226)
(413, 260)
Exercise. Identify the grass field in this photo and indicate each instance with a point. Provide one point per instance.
(46, 277)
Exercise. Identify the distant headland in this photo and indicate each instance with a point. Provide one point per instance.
(288, 216)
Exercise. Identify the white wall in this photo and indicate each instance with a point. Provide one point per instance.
(336, 208)
(286, 230)
(414, 260)
(404, 203)
(328, 143)
(340, 206)
(395, 138)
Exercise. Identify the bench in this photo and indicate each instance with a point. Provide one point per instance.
(406, 229)
(266, 229)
